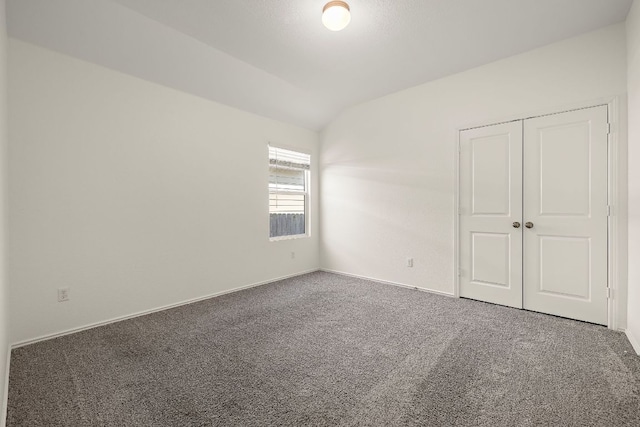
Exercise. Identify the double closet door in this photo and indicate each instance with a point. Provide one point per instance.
(533, 214)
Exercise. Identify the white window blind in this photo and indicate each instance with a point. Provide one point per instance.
(288, 192)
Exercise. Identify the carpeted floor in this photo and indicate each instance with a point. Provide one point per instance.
(328, 350)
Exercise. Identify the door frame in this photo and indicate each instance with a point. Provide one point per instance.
(616, 302)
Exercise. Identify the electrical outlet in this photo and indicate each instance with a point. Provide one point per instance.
(63, 294)
(409, 262)
(293, 255)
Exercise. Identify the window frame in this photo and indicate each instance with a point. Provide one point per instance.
(306, 194)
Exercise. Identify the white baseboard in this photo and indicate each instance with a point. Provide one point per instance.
(152, 310)
(387, 282)
(635, 343)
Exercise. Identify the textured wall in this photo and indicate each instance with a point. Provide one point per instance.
(633, 76)
(388, 177)
(134, 195)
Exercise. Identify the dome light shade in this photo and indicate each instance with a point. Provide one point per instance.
(336, 15)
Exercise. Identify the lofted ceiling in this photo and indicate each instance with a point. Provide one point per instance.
(274, 57)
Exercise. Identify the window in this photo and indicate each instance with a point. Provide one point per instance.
(288, 192)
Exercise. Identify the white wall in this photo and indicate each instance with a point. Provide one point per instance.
(134, 195)
(387, 166)
(4, 305)
(633, 82)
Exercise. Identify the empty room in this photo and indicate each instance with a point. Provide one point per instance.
(319, 213)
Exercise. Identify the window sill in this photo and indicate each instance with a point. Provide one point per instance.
(296, 236)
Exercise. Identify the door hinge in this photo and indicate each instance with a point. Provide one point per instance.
(608, 128)
(459, 272)
(609, 210)
(609, 293)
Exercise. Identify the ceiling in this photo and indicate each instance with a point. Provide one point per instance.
(274, 57)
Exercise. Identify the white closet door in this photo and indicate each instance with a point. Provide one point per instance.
(565, 204)
(490, 206)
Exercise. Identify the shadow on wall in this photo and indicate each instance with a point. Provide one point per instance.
(376, 217)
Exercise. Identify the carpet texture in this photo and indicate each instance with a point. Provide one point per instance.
(329, 350)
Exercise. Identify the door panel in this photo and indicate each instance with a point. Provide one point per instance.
(565, 188)
(490, 258)
(563, 191)
(491, 168)
(569, 278)
(490, 201)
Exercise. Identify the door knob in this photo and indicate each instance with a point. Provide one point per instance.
(528, 224)
(516, 224)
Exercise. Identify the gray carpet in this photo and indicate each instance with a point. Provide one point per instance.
(328, 350)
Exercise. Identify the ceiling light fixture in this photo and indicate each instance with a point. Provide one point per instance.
(336, 15)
